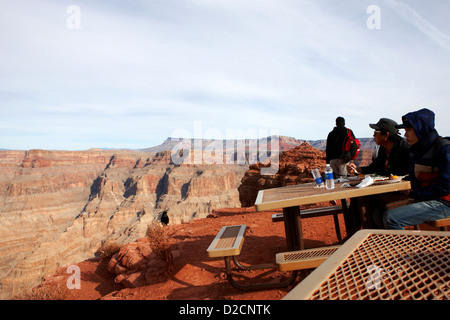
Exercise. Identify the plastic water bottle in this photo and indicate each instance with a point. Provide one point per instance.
(329, 179)
(318, 178)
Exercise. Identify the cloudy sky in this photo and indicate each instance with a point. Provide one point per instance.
(80, 74)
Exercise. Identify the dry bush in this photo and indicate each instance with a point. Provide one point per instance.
(108, 249)
(160, 244)
(54, 292)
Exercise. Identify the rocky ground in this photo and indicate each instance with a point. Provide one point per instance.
(195, 276)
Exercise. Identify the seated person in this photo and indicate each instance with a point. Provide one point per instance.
(429, 173)
(392, 158)
(393, 152)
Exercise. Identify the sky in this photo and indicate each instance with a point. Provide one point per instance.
(84, 74)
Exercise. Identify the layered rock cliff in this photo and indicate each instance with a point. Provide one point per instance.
(57, 207)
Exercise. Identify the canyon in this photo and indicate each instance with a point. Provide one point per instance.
(59, 207)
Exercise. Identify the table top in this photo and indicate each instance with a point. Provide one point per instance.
(308, 193)
(382, 264)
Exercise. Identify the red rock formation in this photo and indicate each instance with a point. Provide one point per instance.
(135, 265)
(295, 166)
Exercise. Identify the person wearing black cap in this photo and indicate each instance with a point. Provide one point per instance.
(334, 153)
(393, 152)
(392, 159)
(429, 173)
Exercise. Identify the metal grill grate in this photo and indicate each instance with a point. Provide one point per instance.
(309, 254)
(391, 266)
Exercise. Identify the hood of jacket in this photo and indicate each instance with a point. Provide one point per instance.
(422, 122)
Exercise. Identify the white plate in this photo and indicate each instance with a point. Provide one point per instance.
(387, 181)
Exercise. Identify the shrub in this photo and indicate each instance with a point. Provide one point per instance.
(160, 244)
(108, 249)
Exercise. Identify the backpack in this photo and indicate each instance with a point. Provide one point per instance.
(350, 147)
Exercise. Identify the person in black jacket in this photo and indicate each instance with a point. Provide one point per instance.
(334, 152)
(393, 151)
(392, 158)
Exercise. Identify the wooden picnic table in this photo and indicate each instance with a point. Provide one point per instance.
(382, 265)
(290, 198)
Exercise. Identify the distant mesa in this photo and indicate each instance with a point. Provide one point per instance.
(285, 143)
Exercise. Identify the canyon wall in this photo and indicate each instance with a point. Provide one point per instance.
(57, 207)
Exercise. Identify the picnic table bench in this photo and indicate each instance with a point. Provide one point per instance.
(304, 259)
(442, 224)
(228, 244)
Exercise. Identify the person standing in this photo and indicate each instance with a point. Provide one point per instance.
(334, 152)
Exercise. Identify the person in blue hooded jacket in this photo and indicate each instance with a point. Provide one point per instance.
(429, 173)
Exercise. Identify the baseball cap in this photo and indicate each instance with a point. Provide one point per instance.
(387, 125)
(405, 124)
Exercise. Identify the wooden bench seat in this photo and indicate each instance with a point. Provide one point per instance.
(303, 259)
(442, 224)
(228, 242)
(318, 212)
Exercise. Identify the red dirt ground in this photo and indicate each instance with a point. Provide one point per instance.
(196, 276)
